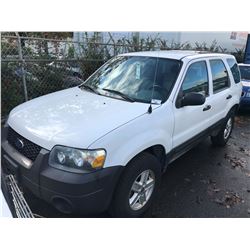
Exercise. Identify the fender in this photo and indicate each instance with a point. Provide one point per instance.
(127, 141)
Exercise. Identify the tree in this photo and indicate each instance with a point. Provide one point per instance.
(43, 45)
(48, 35)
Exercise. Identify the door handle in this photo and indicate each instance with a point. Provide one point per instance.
(207, 108)
(229, 97)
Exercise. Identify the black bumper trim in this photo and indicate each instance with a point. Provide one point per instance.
(87, 193)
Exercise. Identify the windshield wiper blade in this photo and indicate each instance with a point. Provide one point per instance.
(124, 96)
(92, 89)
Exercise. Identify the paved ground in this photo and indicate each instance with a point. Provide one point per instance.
(205, 182)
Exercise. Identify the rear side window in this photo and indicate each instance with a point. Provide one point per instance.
(234, 69)
(196, 79)
(219, 74)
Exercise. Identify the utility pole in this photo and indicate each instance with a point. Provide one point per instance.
(19, 42)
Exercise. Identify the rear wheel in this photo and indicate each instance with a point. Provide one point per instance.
(137, 187)
(222, 137)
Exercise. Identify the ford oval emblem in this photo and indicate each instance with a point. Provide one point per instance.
(19, 143)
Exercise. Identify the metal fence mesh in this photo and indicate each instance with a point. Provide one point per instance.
(35, 66)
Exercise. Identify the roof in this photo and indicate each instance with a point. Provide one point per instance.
(174, 54)
(244, 64)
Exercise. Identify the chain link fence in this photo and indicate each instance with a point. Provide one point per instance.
(35, 66)
(32, 66)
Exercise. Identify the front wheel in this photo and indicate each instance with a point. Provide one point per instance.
(137, 187)
(223, 136)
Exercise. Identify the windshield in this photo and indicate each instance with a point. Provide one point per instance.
(245, 72)
(138, 78)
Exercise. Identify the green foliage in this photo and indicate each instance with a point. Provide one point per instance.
(92, 54)
(11, 88)
(9, 48)
(41, 79)
(71, 52)
(239, 55)
(48, 35)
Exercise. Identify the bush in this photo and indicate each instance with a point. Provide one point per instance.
(12, 89)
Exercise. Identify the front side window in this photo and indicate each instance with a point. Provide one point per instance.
(196, 79)
(219, 74)
(234, 69)
(138, 77)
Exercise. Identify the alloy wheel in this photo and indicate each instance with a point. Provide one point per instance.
(142, 189)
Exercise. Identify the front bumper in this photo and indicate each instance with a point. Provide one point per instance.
(69, 192)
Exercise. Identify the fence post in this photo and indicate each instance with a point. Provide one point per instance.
(22, 68)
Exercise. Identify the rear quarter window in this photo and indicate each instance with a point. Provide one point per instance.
(234, 69)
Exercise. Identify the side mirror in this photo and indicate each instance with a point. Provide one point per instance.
(193, 99)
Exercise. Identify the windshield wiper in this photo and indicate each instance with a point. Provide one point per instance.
(124, 96)
(92, 89)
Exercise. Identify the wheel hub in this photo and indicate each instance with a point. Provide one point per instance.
(228, 128)
(141, 189)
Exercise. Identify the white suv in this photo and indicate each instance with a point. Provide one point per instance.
(105, 144)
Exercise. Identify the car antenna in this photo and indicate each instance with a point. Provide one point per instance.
(150, 109)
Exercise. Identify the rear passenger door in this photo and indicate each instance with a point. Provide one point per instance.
(192, 120)
(221, 93)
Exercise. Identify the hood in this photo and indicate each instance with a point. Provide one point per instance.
(72, 117)
(245, 83)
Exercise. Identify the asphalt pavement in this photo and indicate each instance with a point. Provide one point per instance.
(206, 182)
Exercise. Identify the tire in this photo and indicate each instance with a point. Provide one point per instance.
(223, 136)
(132, 198)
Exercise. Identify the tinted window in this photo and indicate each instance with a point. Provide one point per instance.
(196, 79)
(234, 69)
(245, 72)
(219, 74)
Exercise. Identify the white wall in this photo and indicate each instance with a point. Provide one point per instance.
(228, 40)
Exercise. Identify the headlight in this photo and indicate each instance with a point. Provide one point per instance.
(76, 160)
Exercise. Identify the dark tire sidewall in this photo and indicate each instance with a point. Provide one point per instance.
(219, 139)
(120, 206)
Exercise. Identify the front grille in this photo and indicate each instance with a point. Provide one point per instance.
(28, 149)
